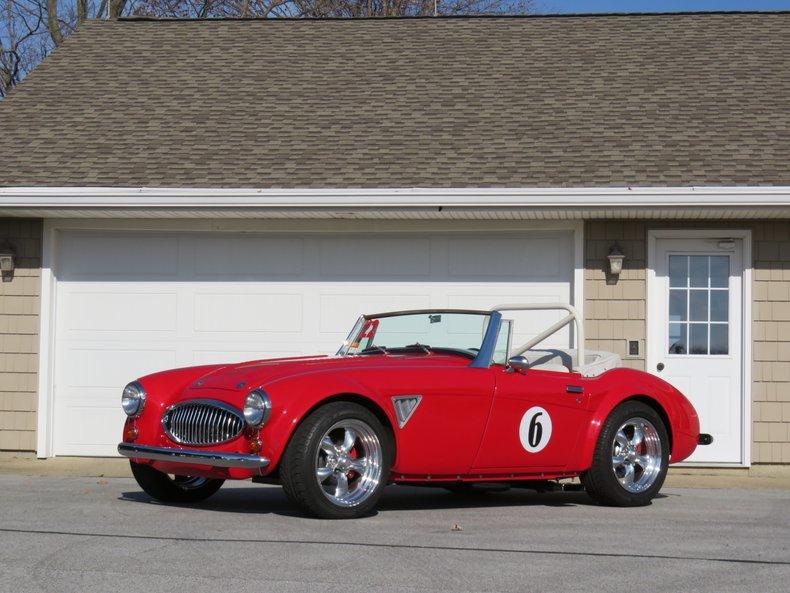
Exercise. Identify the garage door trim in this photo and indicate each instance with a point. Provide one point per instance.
(52, 227)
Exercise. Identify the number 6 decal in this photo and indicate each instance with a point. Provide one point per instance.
(535, 429)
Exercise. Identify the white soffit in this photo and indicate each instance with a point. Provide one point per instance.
(406, 204)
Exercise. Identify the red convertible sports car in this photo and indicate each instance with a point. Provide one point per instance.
(437, 397)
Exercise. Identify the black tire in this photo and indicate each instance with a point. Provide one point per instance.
(183, 489)
(602, 483)
(299, 462)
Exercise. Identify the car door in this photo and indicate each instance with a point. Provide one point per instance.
(535, 421)
(447, 407)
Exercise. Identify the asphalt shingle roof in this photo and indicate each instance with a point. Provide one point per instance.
(639, 100)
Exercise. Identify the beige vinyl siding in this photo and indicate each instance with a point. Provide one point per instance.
(615, 308)
(615, 311)
(19, 326)
(771, 335)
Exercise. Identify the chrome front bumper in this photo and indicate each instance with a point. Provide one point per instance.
(193, 456)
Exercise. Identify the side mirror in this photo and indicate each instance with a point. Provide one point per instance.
(518, 363)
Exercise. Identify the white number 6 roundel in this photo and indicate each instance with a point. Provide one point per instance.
(535, 429)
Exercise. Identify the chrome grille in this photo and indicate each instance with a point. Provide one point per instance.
(202, 422)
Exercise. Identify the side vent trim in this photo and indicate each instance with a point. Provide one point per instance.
(405, 405)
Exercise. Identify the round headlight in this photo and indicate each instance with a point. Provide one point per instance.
(257, 407)
(133, 399)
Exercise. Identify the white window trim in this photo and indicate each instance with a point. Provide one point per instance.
(655, 331)
(49, 263)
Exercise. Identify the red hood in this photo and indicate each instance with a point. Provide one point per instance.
(249, 375)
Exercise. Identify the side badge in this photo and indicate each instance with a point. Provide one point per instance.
(404, 407)
(535, 429)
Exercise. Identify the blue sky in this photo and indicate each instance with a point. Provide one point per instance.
(658, 5)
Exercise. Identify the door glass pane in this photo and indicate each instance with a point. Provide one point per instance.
(719, 338)
(698, 310)
(719, 305)
(720, 271)
(698, 271)
(698, 338)
(677, 338)
(678, 270)
(677, 305)
(698, 305)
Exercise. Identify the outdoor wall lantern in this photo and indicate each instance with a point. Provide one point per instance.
(7, 255)
(615, 258)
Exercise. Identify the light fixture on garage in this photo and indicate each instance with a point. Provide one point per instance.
(615, 258)
(726, 244)
(7, 255)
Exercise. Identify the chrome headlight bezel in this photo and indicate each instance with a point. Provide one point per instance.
(133, 399)
(257, 408)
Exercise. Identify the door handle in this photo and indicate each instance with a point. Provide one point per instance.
(660, 367)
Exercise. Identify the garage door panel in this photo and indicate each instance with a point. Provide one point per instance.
(527, 323)
(340, 311)
(510, 259)
(375, 257)
(120, 255)
(85, 368)
(248, 257)
(200, 357)
(129, 304)
(109, 311)
(95, 430)
(249, 312)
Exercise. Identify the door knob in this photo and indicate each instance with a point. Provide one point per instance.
(660, 367)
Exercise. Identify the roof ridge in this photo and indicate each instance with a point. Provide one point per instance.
(463, 16)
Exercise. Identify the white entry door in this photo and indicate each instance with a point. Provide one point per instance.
(696, 307)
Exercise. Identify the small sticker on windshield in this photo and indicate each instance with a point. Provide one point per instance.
(435, 318)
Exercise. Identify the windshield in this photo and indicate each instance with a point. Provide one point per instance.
(461, 332)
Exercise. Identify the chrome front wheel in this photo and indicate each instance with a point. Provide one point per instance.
(337, 461)
(348, 462)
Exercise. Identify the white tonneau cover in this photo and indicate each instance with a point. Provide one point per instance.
(564, 360)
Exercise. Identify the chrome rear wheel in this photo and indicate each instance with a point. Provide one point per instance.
(636, 454)
(631, 456)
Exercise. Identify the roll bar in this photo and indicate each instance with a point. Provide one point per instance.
(573, 316)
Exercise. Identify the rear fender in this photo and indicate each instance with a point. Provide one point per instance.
(677, 411)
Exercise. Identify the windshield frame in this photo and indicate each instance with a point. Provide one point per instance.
(487, 346)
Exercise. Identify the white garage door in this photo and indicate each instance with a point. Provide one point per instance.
(132, 303)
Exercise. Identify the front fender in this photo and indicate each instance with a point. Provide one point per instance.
(614, 387)
(293, 398)
(162, 389)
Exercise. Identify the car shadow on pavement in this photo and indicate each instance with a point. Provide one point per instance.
(271, 499)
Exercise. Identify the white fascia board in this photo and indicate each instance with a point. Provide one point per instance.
(639, 197)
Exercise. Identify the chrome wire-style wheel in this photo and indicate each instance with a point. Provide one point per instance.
(636, 454)
(348, 462)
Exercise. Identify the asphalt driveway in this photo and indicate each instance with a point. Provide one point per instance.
(103, 534)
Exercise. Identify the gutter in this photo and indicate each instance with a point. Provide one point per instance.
(98, 197)
(734, 203)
